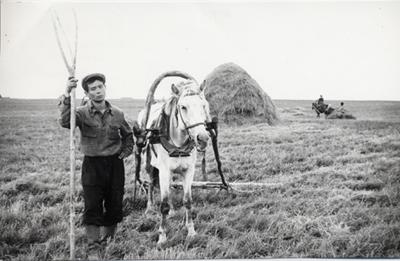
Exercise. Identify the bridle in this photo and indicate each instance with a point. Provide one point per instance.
(187, 126)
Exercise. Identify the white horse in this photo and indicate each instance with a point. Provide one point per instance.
(188, 112)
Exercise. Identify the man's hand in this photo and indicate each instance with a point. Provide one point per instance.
(71, 83)
(123, 155)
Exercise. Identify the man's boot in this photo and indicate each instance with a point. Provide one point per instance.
(93, 237)
(108, 232)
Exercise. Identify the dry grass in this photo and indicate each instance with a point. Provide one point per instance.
(337, 190)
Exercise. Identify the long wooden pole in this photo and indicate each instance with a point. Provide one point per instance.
(72, 178)
(236, 186)
(72, 151)
(213, 185)
(71, 71)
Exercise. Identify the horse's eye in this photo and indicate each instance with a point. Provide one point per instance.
(183, 108)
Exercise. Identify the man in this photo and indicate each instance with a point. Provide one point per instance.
(320, 100)
(341, 111)
(106, 139)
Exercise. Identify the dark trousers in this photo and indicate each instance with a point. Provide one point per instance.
(103, 181)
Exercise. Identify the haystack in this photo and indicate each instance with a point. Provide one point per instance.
(234, 96)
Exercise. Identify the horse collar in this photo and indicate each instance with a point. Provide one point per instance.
(160, 134)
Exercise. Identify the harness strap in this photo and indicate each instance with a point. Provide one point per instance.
(174, 151)
(195, 125)
(184, 123)
(159, 134)
(154, 151)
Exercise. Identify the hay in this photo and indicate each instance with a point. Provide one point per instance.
(234, 96)
(340, 114)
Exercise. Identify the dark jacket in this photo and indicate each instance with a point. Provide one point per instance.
(101, 134)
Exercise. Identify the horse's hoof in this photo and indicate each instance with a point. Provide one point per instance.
(162, 239)
(191, 234)
(149, 211)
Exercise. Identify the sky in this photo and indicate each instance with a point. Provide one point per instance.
(294, 50)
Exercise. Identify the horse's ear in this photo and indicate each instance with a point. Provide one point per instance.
(175, 90)
(203, 86)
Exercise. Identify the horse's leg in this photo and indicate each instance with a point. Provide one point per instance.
(171, 205)
(150, 194)
(150, 171)
(164, 177)
(187, 201)
(203, 165)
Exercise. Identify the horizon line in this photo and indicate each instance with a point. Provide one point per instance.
(278, 99)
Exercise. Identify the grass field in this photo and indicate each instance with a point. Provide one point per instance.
(335, 193)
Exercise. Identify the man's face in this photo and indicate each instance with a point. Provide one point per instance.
(96, 91)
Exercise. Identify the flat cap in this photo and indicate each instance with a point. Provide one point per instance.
(92, 77)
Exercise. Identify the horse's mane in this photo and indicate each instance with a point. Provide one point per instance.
(188, 87)
(170, 105)
(185, 88)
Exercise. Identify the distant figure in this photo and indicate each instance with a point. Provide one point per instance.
(340, 113)
(321, 100)
(341, 110)
(319, 106)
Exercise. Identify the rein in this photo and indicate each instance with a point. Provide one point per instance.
(187, 127)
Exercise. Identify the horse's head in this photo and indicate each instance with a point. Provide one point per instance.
(192, 111)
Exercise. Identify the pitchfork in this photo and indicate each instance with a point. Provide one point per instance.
(71, 71)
